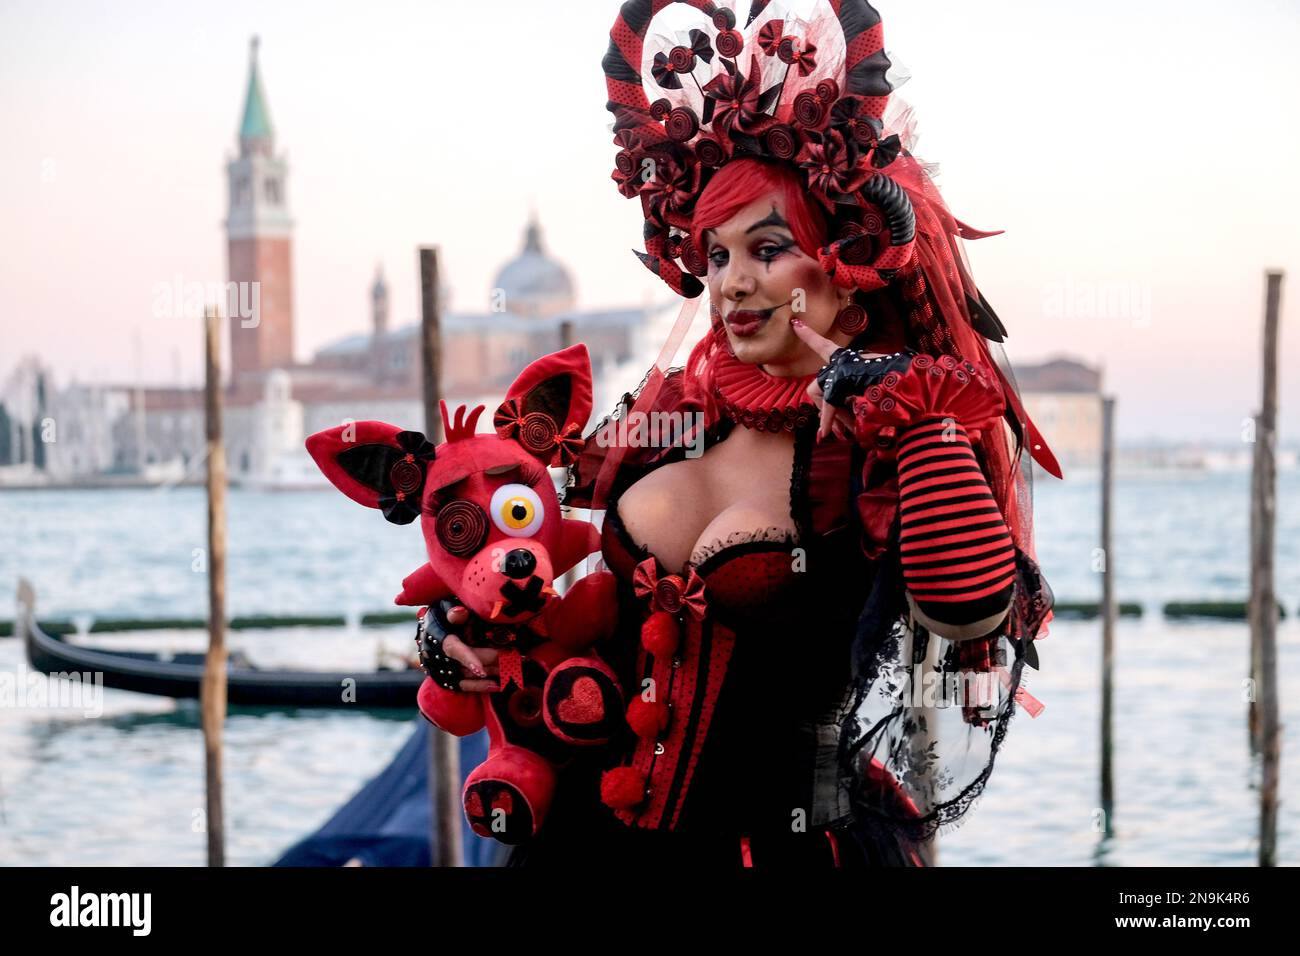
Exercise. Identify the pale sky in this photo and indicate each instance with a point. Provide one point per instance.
(1141, 158)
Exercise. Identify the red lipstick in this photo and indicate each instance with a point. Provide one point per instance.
(747, 322)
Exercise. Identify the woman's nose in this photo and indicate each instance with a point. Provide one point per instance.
(738, 282)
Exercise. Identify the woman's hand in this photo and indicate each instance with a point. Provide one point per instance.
(834, 419)
(441, 650)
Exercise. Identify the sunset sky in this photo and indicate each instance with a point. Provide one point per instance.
(1142, 159)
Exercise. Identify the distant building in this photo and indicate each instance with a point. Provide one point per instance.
(273, 402)
(259, 241)
(1063, 397)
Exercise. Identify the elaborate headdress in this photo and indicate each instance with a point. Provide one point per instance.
(802, 82)
(805, 82)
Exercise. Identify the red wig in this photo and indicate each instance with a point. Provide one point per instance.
(743, 181)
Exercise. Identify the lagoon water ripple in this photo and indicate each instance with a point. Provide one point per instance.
(126, 788)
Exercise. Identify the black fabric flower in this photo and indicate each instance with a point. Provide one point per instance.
(665, 72)
(397, 473)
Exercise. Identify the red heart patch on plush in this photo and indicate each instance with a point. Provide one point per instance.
(474, 804)
(503, 801)
(584, 705)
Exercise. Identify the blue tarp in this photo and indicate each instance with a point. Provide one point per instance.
(386, 823)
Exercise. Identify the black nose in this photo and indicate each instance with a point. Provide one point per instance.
(520, 563)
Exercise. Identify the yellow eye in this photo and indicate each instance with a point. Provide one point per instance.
(516, 510)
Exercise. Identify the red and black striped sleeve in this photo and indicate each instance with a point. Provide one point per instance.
(957, 553)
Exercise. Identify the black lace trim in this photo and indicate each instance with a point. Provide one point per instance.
(897, 737)
(773, 534)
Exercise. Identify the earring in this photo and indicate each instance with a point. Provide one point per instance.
(852, 319)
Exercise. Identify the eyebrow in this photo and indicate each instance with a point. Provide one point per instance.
(773, 218)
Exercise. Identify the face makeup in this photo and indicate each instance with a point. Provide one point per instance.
(748, 322)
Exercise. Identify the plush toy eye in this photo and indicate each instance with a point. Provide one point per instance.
(461, 527)
(516, 510)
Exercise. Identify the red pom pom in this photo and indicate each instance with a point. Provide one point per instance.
(647, 718)
(660, 634)
(622, 788)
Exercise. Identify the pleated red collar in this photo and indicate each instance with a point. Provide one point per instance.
(751, 397)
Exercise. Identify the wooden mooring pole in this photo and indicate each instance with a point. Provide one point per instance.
(1107, 610)
(1263, 599)
(212, 693)
(444, 753)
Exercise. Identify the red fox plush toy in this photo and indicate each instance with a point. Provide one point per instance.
(496, 541)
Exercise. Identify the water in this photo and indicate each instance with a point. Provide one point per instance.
(127, 788)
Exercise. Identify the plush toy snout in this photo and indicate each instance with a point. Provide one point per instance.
(508, 582)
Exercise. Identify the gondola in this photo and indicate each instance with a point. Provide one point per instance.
(180, 675)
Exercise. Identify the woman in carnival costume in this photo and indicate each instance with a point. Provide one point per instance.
(823, 618)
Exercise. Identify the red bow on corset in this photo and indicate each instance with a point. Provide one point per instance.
(670, 593)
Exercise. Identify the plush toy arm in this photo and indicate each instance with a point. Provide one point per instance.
(422, 586)
(456, 713)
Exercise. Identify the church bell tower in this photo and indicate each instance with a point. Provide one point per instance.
(259, 243)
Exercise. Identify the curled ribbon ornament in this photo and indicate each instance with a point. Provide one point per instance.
(670, 593)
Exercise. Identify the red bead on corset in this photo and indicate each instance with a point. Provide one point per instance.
(744, 582)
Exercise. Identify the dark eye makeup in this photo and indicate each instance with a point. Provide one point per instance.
(766, 251)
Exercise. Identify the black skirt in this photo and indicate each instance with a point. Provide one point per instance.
(580, 831)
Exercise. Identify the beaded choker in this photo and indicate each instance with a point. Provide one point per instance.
(756, 399)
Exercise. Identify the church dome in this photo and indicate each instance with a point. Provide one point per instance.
(532, 283)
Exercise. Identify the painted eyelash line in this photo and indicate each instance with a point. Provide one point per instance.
(779, 246)
(528, 475)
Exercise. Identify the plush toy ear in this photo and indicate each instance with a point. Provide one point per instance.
(548, 405)
(375, 464)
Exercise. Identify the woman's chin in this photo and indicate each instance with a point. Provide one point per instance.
(761, 349)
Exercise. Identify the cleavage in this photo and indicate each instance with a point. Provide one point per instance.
(718, 503)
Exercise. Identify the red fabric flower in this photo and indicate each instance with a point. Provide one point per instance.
(739, 101)
(672, 189)
(769, 37)
(832, 167)
(568, 445)
(508, 418)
